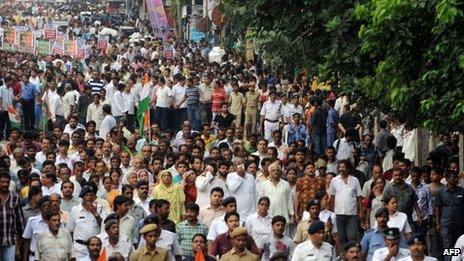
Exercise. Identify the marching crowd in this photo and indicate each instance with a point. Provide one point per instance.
(236, 163)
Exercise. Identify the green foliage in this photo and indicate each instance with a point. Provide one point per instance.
(402, 57)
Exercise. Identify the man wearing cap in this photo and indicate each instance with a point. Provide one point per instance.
(315, 248)
(352, 251)
(85, 220)
(55, 243)
(149, 252)
(271, 113)
(239, 249)
(417, 248)
(219, 226)
(34, 226)
(112, 241)
(392, 251)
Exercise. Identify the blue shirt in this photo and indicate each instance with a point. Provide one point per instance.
(451, 203)
(424, 200)
(373, 240)
(296, 133)
(29, 91)
(332, 119)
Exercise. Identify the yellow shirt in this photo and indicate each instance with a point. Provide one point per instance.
(236, 101)
(175, 195)
(208, 142)
(143, 254)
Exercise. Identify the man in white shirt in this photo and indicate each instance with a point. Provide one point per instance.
(271, 113)
(219, 226)
(207, 181)
(345, 193)
(180, 106)
(73, 125)
(6, 100)
(279, 192)
(242, 186)
(108, 122)
(128, 107)
(95, 111)
(163, 103)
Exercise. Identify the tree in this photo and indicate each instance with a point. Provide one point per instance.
(416, 48)
(318, 35)
(404, 58)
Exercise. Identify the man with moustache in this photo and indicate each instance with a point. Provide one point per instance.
(55, 243)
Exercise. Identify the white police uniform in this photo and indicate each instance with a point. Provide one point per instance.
(381, 253)
(272, 112)
(306, 251)
(426, 258)
(123, 246)
(84, 225)
(35, 225)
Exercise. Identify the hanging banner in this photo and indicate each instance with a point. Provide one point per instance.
(50, 33)
(103, 41)
(58, 47)
(43, 47)
(158, 19)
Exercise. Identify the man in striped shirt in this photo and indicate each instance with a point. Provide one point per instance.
(192, 95)
(11, 219)
(96, 84)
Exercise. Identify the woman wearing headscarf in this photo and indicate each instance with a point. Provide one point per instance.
(165, 189)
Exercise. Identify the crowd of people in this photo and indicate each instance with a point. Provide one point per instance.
(237, 163)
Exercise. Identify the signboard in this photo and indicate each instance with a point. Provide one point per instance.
(50, 33)
(103, 41)
(43, 47)
(9, 39)
(58, 47)
(26, 42)
(169, 51)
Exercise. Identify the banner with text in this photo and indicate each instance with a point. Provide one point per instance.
(158, 19)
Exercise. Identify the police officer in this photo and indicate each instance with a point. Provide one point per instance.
(352, 251)
(392, 250)
(150, 251)
(315, 248)
(373, 239)
(271, 113)
(417, 247)
(239, 251)
(85, 220)
(112, 241)
(34, 226)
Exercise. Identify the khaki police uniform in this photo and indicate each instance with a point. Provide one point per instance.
(251, 110)
(233, 255)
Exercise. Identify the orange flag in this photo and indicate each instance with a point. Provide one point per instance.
(199, 256)
(102, 256)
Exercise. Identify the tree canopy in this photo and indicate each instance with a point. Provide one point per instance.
(402, 57)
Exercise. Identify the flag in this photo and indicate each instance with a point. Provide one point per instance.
(143, 112)
(14, 116)
(199, 256)
(102, 256)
